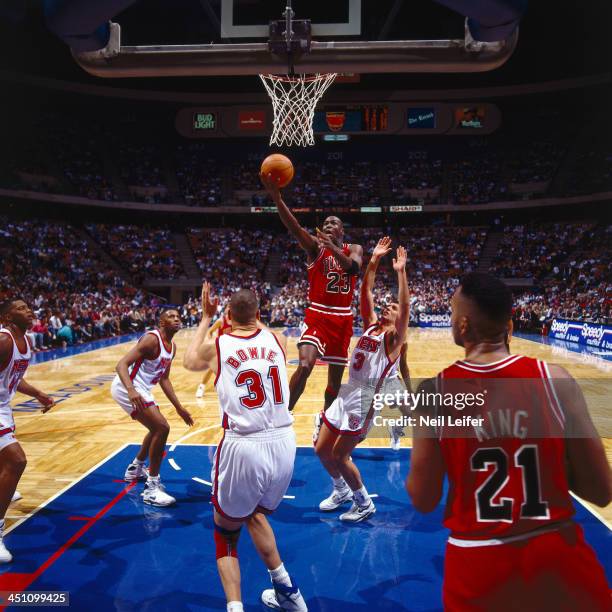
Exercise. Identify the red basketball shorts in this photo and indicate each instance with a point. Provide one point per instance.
(556, 570)
(330, 334)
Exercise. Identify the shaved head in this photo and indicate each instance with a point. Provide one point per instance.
(244, 306)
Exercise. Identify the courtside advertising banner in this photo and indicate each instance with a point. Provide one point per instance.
(434, 320)
(591, 334)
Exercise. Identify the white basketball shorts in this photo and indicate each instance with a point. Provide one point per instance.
(351, 413)
(252, 472)
(120, 395)
(7, 426)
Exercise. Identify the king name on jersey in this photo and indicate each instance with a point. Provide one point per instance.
(252, 352)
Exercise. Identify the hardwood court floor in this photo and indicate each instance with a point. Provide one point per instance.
(88, 426)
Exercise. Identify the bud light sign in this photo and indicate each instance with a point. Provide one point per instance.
(591, 334)
(434, 320)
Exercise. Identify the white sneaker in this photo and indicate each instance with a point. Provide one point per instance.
(358, 513)
(282, 597)
(16, 496)
(5, 555)
(396, 432)
(200, 391)
(318, 420)
(136, 471)
(336, 499)
(155, 494)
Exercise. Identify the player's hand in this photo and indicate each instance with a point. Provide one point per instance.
(137, 401)
(382, 248)
(185, 415)
(209, 304)
(271, 185)
(324, 240)
(399, 261)
(46, 401)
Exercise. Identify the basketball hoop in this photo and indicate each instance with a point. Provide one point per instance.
(294, 98)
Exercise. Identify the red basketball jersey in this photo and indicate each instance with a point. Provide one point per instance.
(226, 326)
(330, 286)
(506, 472)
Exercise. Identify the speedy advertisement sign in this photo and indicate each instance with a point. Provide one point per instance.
(591, 334)
(434, 320)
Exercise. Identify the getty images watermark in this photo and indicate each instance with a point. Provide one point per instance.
(482, 408)
(422, 400)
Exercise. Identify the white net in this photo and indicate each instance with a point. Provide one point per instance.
(294, 99)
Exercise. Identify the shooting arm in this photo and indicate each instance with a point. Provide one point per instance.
(305, 240)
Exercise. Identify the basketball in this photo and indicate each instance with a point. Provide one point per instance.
(280, 167)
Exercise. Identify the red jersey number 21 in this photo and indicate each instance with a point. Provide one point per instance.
(256, 393)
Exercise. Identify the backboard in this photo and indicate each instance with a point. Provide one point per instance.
(363, 36)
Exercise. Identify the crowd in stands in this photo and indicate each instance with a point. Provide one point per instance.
(578, 288)
(200, 178)
(77, 296)
(535, 251)
(74, 295)
(476, 180)
(234, 259)
(143, 252)
(417, 174)
(93, 159)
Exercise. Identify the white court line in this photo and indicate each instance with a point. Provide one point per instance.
(173, 463)
(193, 433)
(205, 482)
(62, 491)
(202, 481)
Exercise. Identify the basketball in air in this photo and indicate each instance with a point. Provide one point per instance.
(280, 167)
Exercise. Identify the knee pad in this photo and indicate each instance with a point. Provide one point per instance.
(226, 542)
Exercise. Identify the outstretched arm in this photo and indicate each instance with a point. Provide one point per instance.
(306, 241)
(202, 352)
(366, 299)
(403, 317)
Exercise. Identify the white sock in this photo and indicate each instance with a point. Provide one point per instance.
(339, 483)
(234, 606)
(280, 575)
(2, 528)
(137, 461)
(361, 497)
(153, 478)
